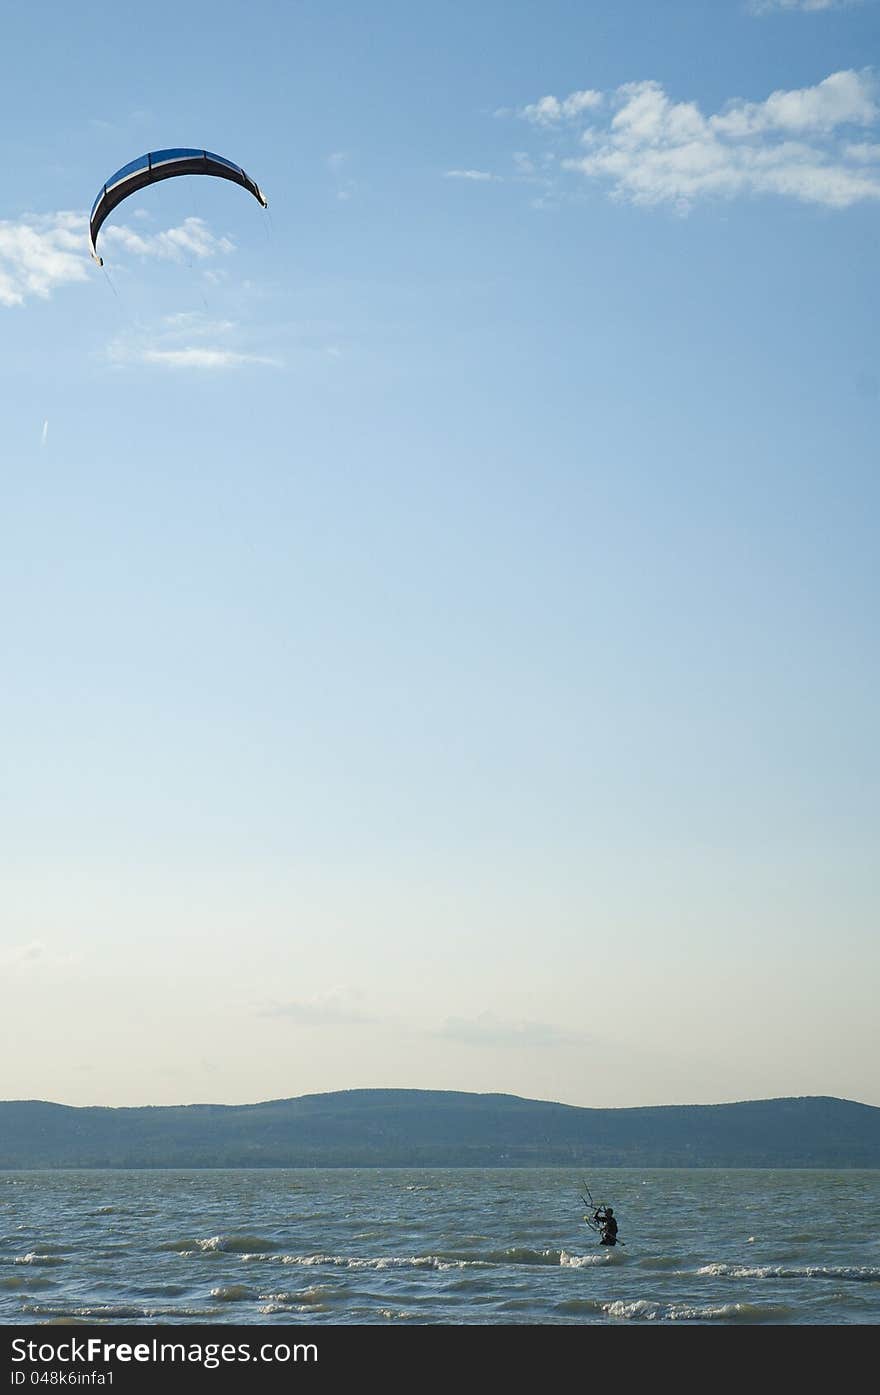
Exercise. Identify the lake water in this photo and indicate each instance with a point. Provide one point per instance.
(438, 1246)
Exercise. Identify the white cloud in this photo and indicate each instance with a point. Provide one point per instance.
(548, 111)
(193, 238)
(843, 98)
(650, 149)
(481, 176)
(865, 152)
(39, 254)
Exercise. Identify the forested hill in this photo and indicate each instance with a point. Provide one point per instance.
(440, 1128)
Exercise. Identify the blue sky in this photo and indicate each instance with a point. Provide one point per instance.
(440, 610)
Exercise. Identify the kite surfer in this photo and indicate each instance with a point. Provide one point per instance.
(607, 1222)
(600, 1218)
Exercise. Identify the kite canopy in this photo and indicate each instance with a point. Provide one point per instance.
(162, 164)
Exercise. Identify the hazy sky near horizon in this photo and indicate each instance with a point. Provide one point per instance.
(440, 611)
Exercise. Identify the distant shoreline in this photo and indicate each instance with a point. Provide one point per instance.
(439, 1129)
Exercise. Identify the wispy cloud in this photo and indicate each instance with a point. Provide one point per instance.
(488, 1030)
(188, 341)
(799, 143)
(342, 1006)
(331, 1008)
(338, 164)
(33, 957)
(203, 358)
(479, 176)
(760, 7)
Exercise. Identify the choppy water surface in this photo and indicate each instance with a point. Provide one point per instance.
(438, 1246)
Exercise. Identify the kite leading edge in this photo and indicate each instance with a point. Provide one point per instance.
(162, 164)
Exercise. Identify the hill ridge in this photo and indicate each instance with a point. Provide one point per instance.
(447, 1128)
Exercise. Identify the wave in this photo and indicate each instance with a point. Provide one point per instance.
(588, 1261)
(853, 1273)
(516, 1254)
(647, 1310)
(308, 1300)
(448, 1259)
(307, 1297)
(234, 1244)
(232, 1293)
(444, 1259)
(382, 1263)
(123, 1312)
